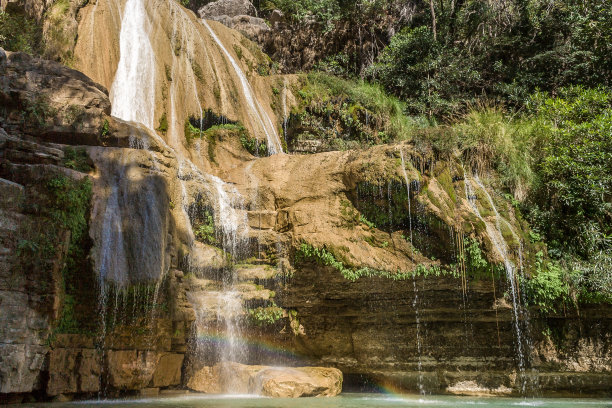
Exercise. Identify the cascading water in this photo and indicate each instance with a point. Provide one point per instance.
(133, 90)
(256, 111)
(408, 190)
(285, 113)
(415, 305)
(497, 239)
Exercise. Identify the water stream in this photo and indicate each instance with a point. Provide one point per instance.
(407, 181)
(498, 241)
(255, 110)
(133, 89)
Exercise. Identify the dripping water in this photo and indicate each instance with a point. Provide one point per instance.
(415, 305)
(500, 245)
(408, 190)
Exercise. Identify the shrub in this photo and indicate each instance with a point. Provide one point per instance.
(266, 315)
(19, 33)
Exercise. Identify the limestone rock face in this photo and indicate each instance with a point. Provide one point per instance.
(168, 371)
(73, 371)
(68, 103)
(230, 8)
(289, 382)
(131, 369)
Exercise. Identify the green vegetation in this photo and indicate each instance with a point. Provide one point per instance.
(383, 205)
(448, 54)
(60, 41)
(19, 33)
(347, 114)
(163, 123)
(77, 159)
(326, 13)
(37, 112)
(204, 229)
(191, 133)
(267, 315)
(68, 210)
(321, 256)
(253, 145)
(105, 129)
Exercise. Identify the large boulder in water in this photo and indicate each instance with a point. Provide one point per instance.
(279, 382)
(298, 382)
(230, 8)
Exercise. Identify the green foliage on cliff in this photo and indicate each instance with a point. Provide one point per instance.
(571, 203)
(69, 204)
(19, 33)
(77, 159)
(548, 288)
(454, 53)
(383, 205)
(266, 315)
(321, 256)
(346, 114)
(204, 228)
(68, 208)
(253, 145)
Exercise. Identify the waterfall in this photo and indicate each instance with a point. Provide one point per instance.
(408, 189)
(498, 241)
(133, 90)
(285, 114)
(415, 305)
(256, 111)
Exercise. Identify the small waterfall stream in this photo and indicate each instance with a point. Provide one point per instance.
(256, 111)
(498, 241)
(408, 190)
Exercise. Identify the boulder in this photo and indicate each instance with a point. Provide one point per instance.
(205, 258)
(276, 17)
(205, 380)
(131, 369)
(70, 103)
(168, 371)
(228, 8)
(229, 377)
(248, 26)
(2, 58)
(298, 382)
(20, 366)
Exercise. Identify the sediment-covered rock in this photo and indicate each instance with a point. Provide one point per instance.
(298, 382)
(285, 382)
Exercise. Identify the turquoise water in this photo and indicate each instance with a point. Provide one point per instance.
(342, 401)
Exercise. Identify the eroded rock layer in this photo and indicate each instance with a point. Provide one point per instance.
(175, 254)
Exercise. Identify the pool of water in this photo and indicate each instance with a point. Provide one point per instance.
(347, 400)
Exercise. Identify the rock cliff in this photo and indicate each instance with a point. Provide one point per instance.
(144, 255)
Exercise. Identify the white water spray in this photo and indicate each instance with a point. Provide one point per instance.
(133, 90)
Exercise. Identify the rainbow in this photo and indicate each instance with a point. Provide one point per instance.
(257, 346)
